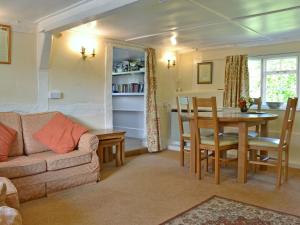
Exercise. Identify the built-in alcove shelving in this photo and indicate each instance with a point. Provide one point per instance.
(128, 104)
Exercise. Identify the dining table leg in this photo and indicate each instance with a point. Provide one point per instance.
(264, 133)
(242, 152)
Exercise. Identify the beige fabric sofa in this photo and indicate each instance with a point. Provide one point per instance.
(36, 171)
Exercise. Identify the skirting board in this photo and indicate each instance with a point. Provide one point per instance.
(174, 146)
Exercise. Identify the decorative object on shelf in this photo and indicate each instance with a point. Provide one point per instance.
(5, 44)
(204, 73)
(130, 65)
(274, 105)
(84, 54)
(245, 103)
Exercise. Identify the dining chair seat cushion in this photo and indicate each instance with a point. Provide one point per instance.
(204, 132)
(186, 135)
(264, 142)
(251, 134)
(223, 140)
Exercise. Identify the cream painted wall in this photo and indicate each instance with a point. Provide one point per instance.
(187, 74)
(18, 81)
(81, 82)
(166, 90)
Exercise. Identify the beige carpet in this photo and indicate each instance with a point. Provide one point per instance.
(152, 188)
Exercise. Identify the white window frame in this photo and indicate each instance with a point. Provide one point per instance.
(264, 72)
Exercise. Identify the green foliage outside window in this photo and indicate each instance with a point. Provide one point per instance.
(280, 87)
(280, 78)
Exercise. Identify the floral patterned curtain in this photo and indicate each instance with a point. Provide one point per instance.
(152, 118)
(236, 80)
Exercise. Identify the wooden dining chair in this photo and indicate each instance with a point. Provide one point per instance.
(216, 143)
(276, 145)
(183, 108)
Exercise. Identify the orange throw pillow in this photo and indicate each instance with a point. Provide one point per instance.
(60, 134)
(7, 137)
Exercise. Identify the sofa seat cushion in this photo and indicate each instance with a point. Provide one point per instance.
(21, 166)
(61, 161)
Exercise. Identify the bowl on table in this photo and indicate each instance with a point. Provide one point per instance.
(274, 105)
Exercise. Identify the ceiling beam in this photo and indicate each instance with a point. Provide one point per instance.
(79, 14)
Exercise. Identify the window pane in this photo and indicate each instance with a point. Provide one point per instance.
(254, 66)
(279, 87)
(281, 64)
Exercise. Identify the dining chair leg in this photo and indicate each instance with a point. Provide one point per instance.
(253, 157)
(181, 152)
(198, 162)
(206, 155)
(286, 164)
(224, 156)
(217, 167)
(279, 169)
(213, 161)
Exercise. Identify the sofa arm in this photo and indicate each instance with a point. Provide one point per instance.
(2, 193)
(88, 142)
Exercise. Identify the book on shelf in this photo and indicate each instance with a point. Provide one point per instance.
(128, 88)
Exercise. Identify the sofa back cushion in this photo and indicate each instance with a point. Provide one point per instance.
(60, 134)
(31, 124)
(13, 120)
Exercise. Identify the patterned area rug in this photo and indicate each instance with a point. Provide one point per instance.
(221, 211)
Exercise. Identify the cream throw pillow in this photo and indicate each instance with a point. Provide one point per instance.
(9, 216)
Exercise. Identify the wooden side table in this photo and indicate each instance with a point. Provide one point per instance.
(107, 139)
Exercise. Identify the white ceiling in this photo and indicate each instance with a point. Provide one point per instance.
(31, 10)
(204, 24)
(198, 24)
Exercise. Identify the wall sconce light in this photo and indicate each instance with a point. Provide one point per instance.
(84, 55)
(170, 58)
(171, 64)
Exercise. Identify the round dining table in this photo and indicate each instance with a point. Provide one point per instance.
(234, 119)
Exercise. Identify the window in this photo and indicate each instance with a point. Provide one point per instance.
(274, 78)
